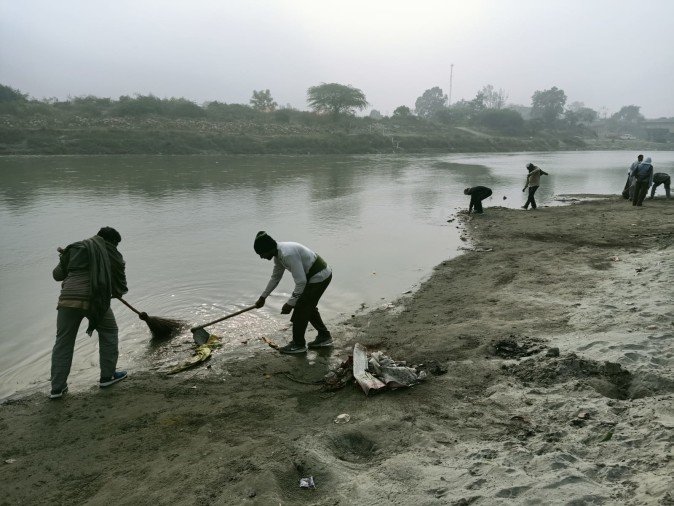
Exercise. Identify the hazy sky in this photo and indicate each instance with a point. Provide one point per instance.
(605, 53)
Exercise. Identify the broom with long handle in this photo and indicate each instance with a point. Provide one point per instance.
(161, 328)
(201, 336)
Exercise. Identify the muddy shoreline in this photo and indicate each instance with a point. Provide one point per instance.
(555, 333)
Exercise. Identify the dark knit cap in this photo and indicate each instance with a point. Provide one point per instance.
(110, 235)
(263, 243)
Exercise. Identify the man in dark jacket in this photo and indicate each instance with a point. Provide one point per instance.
(660, 178)
(643, 176)
(477, 195)
(92, 272)
(628, 191)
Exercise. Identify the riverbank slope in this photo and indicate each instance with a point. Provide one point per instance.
(162, 136)
(555, 333)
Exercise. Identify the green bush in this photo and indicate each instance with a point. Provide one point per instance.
(503, 120)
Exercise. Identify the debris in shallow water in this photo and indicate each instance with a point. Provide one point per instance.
(343, 418)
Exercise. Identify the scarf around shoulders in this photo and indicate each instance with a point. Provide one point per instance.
(107, 277)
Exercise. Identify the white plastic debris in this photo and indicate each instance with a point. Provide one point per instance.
(307, 482)
(343, 418)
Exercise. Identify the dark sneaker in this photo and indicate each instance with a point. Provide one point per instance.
(118, 376)
(292, 348)
(57, 394)
(321, 342)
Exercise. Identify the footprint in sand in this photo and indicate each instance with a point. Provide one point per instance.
(592, 345)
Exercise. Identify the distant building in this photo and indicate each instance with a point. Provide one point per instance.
(659, 130)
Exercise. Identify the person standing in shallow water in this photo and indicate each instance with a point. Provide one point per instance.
(533, 182)
(312, 276)
(92, 272)
(477, 195)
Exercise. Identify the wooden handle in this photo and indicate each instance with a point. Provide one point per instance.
(219, 319)
(128, 305)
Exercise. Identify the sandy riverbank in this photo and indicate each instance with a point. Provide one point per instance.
(510, 420)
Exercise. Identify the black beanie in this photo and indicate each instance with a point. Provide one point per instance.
(263, 243)
(110, 235)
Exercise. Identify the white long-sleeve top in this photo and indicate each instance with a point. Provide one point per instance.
(297, 259)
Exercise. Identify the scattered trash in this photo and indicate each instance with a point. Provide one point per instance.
(366, 380)
(615, 259)
(639, 269)
(343, 418)
(269, 342)
(201, 354)
(450, 220)
(339, 378)
(652, 327)
(607, 437)
(584, 415)
(10, 461)
(374, 373)
(307, 482)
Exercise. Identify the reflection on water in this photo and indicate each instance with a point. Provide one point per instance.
(188, 225)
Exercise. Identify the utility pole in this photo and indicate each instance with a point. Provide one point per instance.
(451, 75)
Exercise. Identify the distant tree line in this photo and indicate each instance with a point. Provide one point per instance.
(333, 102)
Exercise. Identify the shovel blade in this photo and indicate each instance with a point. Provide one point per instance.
(200, 336)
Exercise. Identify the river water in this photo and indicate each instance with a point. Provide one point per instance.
(188, 225)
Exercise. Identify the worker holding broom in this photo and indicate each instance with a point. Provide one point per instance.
(92, 271)
(312, 276)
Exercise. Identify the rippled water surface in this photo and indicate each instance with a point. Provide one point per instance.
(188, 225)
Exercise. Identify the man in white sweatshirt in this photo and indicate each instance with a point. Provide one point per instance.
(312, 276)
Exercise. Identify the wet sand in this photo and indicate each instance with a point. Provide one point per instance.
(556, 335)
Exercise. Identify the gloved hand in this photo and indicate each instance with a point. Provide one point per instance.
(286, 309)
(260, 302)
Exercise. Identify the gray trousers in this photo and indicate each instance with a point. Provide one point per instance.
(67, 324)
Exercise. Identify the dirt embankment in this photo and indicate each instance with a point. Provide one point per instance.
(556, 337)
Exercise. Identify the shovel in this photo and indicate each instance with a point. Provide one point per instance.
(201, 336)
